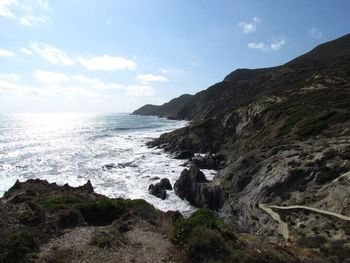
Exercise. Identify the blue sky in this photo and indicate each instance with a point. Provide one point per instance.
(115, 56)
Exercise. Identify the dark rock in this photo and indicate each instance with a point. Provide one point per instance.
(204, 162)
(109, 166)
(157, 190)
(186, 154)
(87, 187)
(193, 186)
(165, 183)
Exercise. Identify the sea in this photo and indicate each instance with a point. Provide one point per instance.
(108, 149)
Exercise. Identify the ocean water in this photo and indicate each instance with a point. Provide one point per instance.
(73, 148)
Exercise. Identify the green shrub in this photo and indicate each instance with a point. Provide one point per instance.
(202, 217)
(58, 202)
(101, 212)
(204, 236)
(142, 208)
(205, 243)
(17, 245)
(292, 120)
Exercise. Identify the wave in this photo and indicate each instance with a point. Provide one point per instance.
(132, 128)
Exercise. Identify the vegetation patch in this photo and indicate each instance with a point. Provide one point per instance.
(316, 125)
(203, 235)
(15, 246)
(96, 212)
(295, 117)
(58, 202)
(101, 212)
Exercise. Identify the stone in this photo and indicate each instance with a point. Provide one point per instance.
(194, 187)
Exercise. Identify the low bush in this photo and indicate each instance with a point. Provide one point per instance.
(101, 212)
(206, 243)
(16, 246)
(203, 235)
(98, 212)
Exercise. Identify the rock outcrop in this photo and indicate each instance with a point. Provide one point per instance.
(194, 187)
(159, 189)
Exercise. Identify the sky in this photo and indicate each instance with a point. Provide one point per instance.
(115, 56)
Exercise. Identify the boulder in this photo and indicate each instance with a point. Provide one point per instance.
(165, 183)
(157, 190)
(194, 187)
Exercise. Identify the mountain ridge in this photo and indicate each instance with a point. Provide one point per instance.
(242, 85)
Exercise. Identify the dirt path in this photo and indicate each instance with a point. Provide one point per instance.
(320, 211)
(283, 227)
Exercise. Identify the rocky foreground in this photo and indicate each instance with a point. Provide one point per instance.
(43, 222)
(280, 140)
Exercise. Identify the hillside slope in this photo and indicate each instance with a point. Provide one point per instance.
(169, 109)
(284, 143)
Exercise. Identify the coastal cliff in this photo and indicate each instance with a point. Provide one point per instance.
(281, 139)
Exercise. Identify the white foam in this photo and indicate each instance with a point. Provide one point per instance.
(62, 156)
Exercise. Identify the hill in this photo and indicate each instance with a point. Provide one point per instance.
(280, 139)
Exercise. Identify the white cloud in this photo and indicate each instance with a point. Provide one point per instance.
(23, 12)
(33, 20)
(96, 83)
(52, 54)
(278, 43)
(14, 88)
(10, 77)
(44, 4)
(49, 77)
(26, 51)
(249, 27)
(140, 90)
(260, 46)
(5, 7)
(6, 53)
(145, 78)
(275, 45)
(107, 63)
(314, 32)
